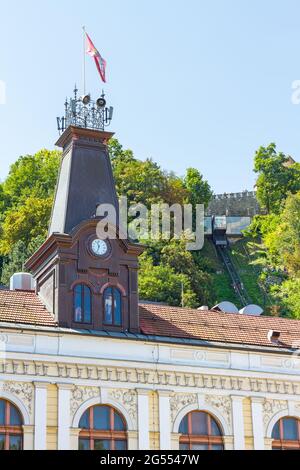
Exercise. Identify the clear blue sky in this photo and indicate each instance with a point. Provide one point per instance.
(194, 83)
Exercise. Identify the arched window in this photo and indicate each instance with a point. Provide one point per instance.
(112, 307)
(11, 431)
(286, 434)
(200, 431)
(102, 428)
(82, 304)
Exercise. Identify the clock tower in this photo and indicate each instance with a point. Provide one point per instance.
(84, 281)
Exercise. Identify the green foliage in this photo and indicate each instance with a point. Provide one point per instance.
(26, 198)
(276, 236)
(277, 177)
(199, 191)
(25, 222)
(162, 284)
(289, 295)
(32, 175)
(221, 284)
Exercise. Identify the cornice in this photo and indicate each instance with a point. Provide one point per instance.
(64, 374)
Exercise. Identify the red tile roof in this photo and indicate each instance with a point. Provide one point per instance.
(215, 326)
(163, 321)
(24, 307)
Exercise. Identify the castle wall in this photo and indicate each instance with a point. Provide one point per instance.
(234, 204)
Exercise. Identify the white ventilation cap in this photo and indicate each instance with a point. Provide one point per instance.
(273, 336)
(22, 281)
(254, 310)
(204, 308)
(226, 307)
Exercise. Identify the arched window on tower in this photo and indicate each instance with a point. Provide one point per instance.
(286, 434)
(102, 428)
(11, 431)
(200, 431)
(112, 307)
(82, 304)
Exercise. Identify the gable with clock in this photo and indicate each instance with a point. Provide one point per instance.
(87, 283)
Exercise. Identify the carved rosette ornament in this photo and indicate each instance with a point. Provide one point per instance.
(180, 401)
(23, 391)
(128, 400)
(271, 408)
(82, 394)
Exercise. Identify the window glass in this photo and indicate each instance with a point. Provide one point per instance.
(102, 418)
(119, 425)
(2, 412)
(199, 424)
(84, 444)
(102, 444)
(276, 432)
(15, 443)
(215, 430)
(106, 429)
(85, 421)
(87, 305)
(2, 441)
(290, 429)
(199, 447)
(117, 307)
(15, 418)
(108, 306)
(183, 428)
(183, 447)
(78, 304)
(199, 431)
(120, 445)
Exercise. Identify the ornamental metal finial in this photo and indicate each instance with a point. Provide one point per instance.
(84, 112)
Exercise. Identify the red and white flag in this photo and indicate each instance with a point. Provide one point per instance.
(99, 61)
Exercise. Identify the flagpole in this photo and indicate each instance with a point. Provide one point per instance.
(84, 61)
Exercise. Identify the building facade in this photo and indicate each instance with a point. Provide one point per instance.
(85, 365)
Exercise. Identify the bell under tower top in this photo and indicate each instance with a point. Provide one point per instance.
(85, 178)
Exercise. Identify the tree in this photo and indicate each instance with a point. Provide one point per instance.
(290, 297)
(284, 241)
(25, 222)
(32, 175)
(25, 201)
(199, 191)
(277, 177)
(162, 284)
(17, 258)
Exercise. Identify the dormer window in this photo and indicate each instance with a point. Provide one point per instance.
(112, 307)
(82, 304)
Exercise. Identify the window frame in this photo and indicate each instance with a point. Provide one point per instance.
(284, 444)
(83, 296)
(210, 440)
(113, 324)
(111, 435)
(8, 430)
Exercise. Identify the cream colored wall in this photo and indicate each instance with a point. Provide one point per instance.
(249, 442)
(52, 417)
(153, 421)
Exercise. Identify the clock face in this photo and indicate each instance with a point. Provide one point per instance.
(99, 247)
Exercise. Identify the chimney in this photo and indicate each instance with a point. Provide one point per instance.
(22, 281)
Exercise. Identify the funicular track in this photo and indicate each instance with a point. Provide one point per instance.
(223, 252)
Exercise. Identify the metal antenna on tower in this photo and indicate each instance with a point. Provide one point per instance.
(84, 112)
